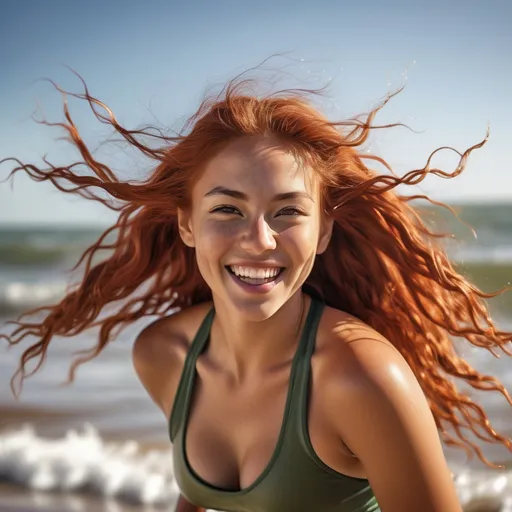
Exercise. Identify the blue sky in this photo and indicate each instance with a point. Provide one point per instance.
(156, 60)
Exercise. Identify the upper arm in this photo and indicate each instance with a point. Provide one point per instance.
(391, 429)
(156, 360)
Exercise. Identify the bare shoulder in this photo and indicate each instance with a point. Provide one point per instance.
(351, 349)
(382, 415)
(160, 349)
(361, 366)
(364, 370)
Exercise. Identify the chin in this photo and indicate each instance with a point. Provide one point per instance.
(254, 309)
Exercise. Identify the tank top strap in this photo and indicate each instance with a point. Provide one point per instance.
(178, 413)
(300, 386)
(315, 317)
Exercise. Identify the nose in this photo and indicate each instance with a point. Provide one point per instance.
(258, 237)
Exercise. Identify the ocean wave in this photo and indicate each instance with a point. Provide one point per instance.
(494, 255)
(30, 255)
(43, 246)
(83, 461)
(19, 296)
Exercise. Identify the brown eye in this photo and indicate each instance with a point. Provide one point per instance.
(225, 209)
(295, 211)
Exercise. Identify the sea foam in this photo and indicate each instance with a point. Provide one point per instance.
(124, 471)
(84, 461)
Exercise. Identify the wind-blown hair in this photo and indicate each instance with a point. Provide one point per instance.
(383, 265)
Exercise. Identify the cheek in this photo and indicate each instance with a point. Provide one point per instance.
(214, 237)
(300, 241)
(214, 241)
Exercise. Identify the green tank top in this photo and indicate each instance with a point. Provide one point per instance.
(295, 479)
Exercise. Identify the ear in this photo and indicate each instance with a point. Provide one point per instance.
(185, 227)
(326, 227)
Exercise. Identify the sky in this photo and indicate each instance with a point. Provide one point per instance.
(153, 62)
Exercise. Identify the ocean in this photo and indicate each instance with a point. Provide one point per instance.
(100, 444)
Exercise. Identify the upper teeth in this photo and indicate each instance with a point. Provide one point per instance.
(255, 273)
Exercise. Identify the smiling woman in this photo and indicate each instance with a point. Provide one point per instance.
(311, 365)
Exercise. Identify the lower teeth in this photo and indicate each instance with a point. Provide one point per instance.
(256, 281)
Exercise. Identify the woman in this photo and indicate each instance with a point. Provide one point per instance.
(306, 369)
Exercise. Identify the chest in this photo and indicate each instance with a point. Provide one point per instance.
(232, 435)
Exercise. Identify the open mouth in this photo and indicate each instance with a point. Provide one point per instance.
(255, 281)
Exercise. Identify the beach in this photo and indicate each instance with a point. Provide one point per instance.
(99, 444)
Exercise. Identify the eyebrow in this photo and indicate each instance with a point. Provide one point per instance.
(223, 191)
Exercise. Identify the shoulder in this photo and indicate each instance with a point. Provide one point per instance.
(356, 353)
(170, 334)
(366, 374)
(160, 349)
(363, 370)
(381, 413)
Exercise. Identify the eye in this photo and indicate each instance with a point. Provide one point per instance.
(225, 209)
(295, 211)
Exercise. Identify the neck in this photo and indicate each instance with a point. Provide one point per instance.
(245, 348)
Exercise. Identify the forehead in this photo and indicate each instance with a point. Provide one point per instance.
(257, 165)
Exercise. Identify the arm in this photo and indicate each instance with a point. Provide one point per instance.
(158, 354)
(160, 350)
(185, 506)
(391, 429)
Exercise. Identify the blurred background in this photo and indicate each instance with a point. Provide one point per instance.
(100, 444)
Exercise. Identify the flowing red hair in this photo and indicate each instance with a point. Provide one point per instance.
(383, 265)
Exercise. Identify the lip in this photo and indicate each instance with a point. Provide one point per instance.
(259, 288)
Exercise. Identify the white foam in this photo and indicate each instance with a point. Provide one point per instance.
(493, 254)
(122, 471)
(490, 490)
(83, 460)
(19, 295)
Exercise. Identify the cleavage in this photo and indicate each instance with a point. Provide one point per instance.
(231, 436)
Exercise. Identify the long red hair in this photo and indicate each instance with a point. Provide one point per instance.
(383, 265)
